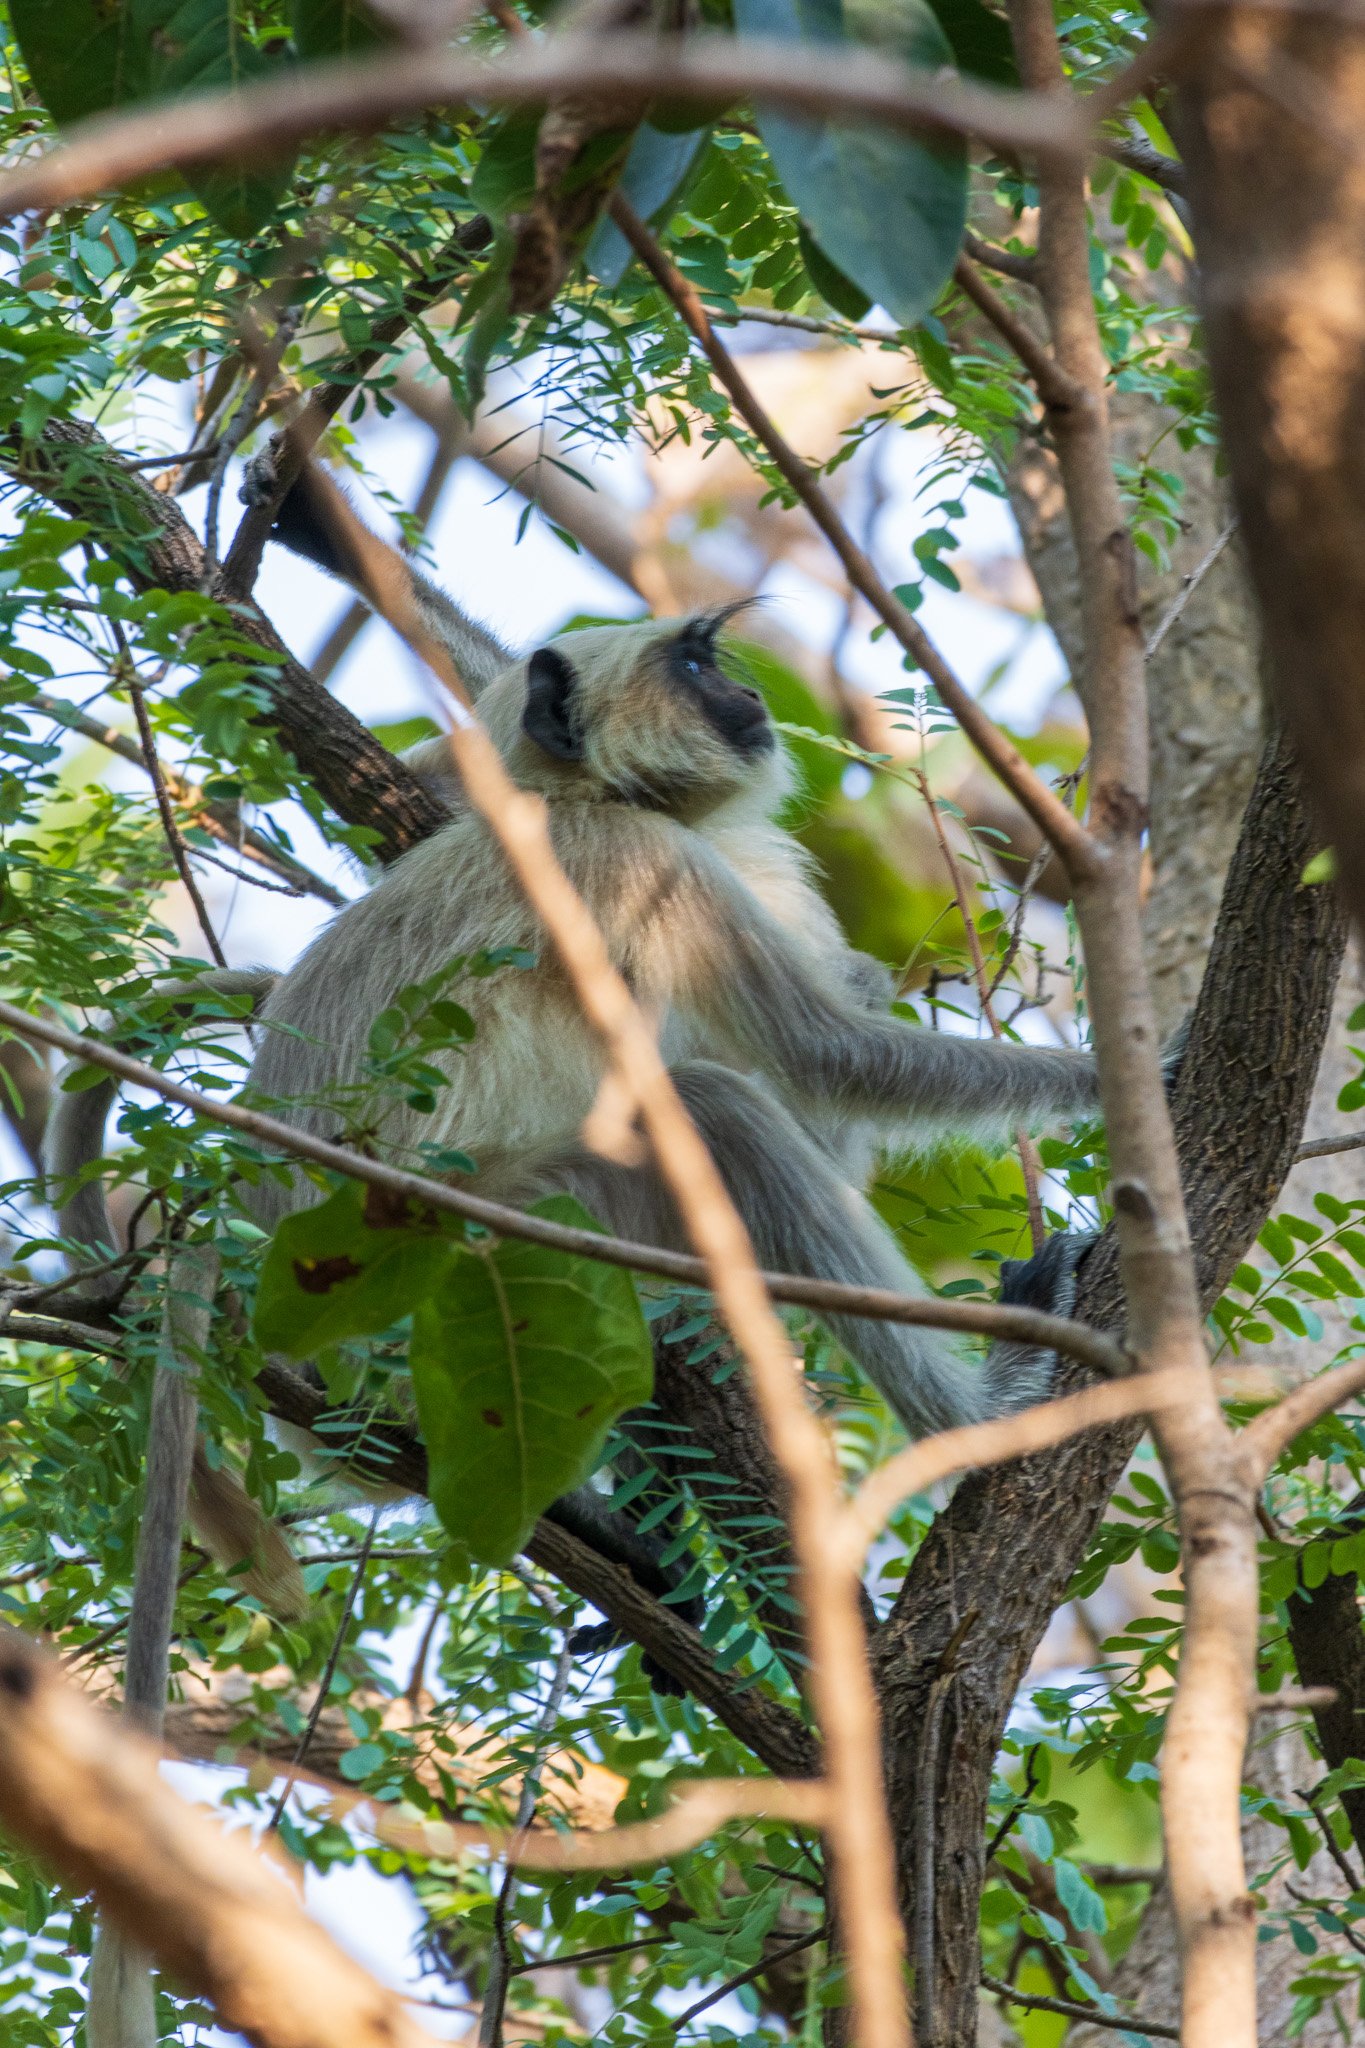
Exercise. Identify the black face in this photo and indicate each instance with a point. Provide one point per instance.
(733, 710)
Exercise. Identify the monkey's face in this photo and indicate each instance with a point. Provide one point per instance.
(646, 714)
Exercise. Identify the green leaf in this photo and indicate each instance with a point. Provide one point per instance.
(982, 44)
(88, 56)
(834, 288)
(356, 1764)
(505, 176)
(1321, 868)
(350, 1267)
(1082, 1903)
(655, 171)
(335, 28)
(894, 208)
(521, 1359)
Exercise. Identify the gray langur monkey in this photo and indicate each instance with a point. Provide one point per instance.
(662, 773)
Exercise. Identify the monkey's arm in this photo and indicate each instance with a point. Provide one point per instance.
(765, 998)
(301, 526)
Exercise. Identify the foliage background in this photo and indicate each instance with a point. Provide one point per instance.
(601, 471)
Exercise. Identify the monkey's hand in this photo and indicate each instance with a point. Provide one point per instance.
(259, 478)
(300, 524)
(1018, 1375)
(1174, 1050)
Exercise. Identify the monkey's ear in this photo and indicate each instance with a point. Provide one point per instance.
(548, 717)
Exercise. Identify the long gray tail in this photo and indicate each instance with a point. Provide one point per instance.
(75, 1133)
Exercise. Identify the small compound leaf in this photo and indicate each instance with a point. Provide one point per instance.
(522, 1358)
(894, 208)
(656, 170)
(349, 1267)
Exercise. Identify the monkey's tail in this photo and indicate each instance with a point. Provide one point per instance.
(222, 1513)
(75, 1134)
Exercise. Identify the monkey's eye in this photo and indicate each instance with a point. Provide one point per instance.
(691, 665)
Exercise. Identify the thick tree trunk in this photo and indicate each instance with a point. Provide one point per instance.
(1009, 1541)
(1269, 119)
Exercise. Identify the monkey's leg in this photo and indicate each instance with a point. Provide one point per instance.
(122, 2012)
(803, 1218)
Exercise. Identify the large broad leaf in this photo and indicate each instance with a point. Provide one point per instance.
(335, 28)
(521, 1360)
(981, 41)
(349, 1267)
(654, 174)
(91, 56)
(891, 208)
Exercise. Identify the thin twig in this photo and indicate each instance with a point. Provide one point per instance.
(1029, 1162)
(1058, 391)
(1343, 1926)
(1262, 1441)
(1324, 1148)
(701, 1806)
(58, 1332)
(1313, 1801)
(499, 1959)
(584, 1956)
(417, 1677)
(1049, 814)
(758, 1969)
(325, 1682)
(993, 1319)
(1015, 1808)
(1135, 153)
(266, 360)
(1188, 586)
(1072, 2009)
(1009, 262)
(128, 675)
(976, 1444)
(625, 65)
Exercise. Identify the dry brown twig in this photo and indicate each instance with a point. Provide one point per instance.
(630, 64)
(86, 1797)
(857, 1827)
(1205, 1463)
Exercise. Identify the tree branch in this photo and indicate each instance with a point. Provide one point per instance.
(72, 466)
(87, 1799)
(1049, 813)
(631, 66)
(1021, 1325)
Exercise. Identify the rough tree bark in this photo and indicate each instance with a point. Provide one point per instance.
(1269, 118)
(1009, 1540)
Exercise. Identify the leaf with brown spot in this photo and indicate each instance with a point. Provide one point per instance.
(521, 1359)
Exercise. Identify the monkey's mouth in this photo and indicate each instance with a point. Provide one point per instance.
(743, 724)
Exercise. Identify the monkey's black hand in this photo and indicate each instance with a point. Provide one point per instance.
(612, 1534)
(1174, 1050)
(1047, 1281)
(299, 524)
(1018, 1375)
(595, 1638)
